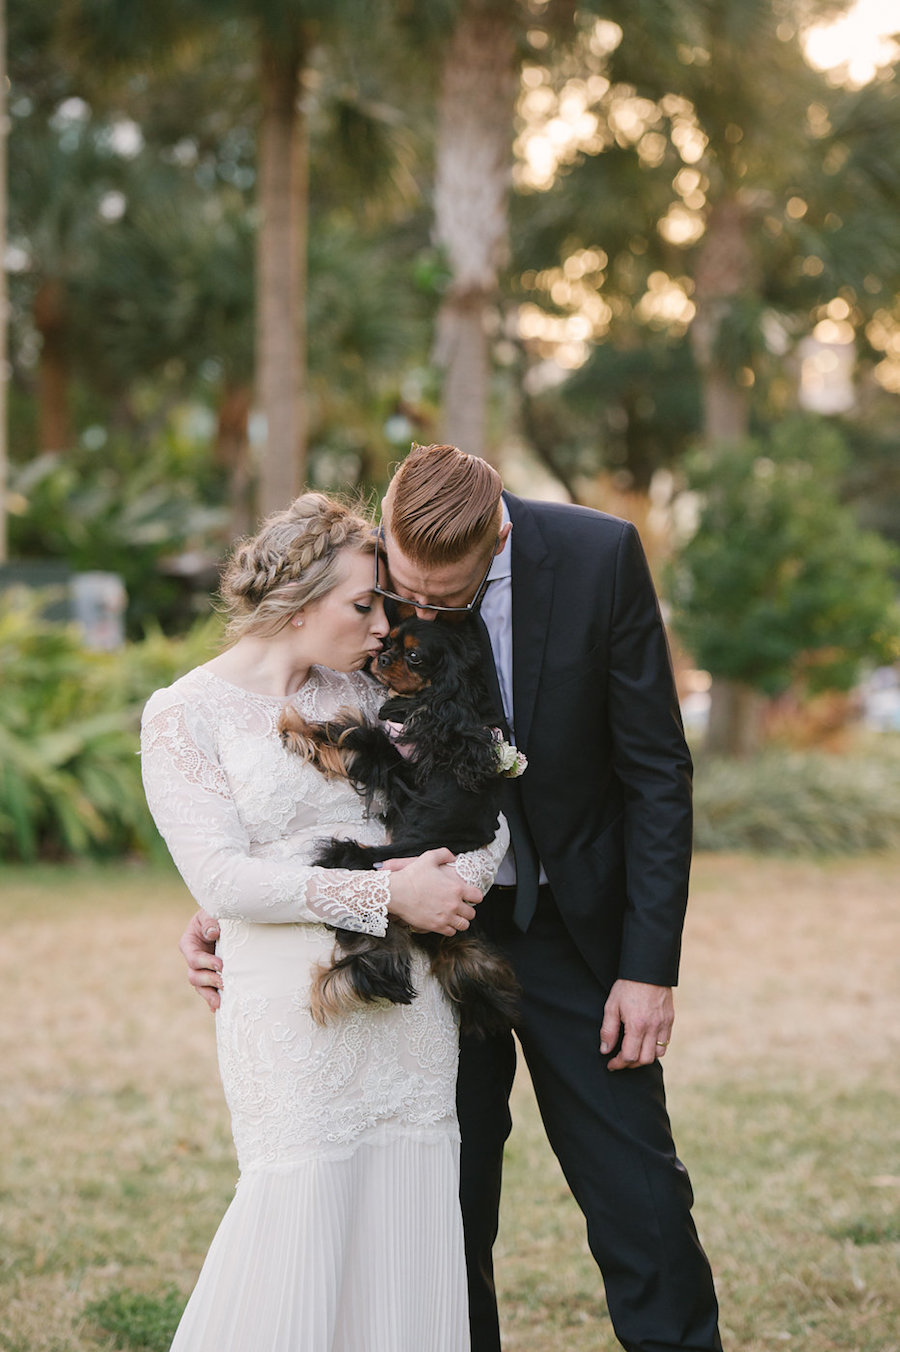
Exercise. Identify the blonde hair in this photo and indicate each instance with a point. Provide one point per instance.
(442, 504)
(291, 561)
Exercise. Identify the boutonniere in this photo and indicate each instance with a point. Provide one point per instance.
(510, 762)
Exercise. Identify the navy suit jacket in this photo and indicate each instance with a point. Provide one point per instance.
(606, 798)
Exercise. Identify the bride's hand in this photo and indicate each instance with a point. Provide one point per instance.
(429, 896)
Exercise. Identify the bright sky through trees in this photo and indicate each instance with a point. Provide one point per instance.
(857, 44)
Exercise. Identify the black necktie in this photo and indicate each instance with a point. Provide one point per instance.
(527, 867)
(490, 672)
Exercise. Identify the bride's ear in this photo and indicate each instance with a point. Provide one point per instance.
(297, 619)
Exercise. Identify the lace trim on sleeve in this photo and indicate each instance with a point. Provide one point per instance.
(348, 900)
(479, 868)
(270, 893)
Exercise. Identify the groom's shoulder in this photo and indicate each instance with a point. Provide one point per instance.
(569, 524)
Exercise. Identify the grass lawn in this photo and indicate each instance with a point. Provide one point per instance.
(784, 1085)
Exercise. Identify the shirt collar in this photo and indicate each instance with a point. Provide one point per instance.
(502, 565)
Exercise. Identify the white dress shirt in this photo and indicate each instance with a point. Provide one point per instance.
(496, 611)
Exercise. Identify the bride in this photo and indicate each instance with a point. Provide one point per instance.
(344, 1234)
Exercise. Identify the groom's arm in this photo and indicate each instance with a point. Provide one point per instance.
(652, 760)
(653, 763)
(198, 948)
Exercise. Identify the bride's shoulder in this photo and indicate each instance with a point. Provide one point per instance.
(192, 689)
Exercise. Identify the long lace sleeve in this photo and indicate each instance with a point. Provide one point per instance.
(479, 867)
(191, 802)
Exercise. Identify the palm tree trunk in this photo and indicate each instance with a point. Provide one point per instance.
(3, 288)
(474, 157)
(724, 273)
(232, 452)
(281, 275)
(54, 428)
(735, 719)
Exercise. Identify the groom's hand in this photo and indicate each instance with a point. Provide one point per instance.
(198, 948)
(643, 1016)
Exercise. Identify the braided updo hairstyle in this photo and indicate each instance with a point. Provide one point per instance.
(291, 561)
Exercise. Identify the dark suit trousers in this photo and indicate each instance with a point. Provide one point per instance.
(611, 1134)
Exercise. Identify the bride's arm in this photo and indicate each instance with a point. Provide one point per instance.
(191, 803)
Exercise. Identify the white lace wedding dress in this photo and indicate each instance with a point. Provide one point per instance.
(344, 1234)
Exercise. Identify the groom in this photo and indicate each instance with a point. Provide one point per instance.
(589, 906)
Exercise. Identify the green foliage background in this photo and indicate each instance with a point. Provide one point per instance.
(133, 216)
(69, 772)
(778, 585)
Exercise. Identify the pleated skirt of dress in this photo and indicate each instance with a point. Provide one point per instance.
(359, 1253)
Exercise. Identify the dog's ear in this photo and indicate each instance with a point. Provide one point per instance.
(443, 659)
(450, 726)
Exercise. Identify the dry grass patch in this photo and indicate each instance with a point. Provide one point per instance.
(783, 1079)
(117, 1159)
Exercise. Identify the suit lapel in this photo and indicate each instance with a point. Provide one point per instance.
(532, 594)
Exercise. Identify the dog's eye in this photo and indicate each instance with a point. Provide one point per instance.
(413, 657)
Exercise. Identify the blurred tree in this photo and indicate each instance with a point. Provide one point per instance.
(761, 202)
(4, 318)
(166, 298)
(472, 182)
(781, 197)
(62, 181)
(286, 35)
(777, 584)
(480, 47)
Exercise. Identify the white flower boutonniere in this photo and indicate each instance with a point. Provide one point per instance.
(510, 762)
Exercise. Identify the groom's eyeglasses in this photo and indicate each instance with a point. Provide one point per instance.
(420, 605)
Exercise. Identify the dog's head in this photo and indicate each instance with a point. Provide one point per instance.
(435, 673)
(419, 654)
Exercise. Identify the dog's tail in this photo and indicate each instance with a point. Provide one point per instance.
(479, 981)
(365, 970)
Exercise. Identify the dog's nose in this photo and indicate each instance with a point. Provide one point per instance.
(384, 658)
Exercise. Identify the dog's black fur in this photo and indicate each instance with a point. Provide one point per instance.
(438, 784)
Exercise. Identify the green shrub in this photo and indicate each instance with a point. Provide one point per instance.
(779, 585)
(69, 777)
(123, 515)
(799, 803)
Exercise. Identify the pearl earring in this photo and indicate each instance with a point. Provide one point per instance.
(296, 622)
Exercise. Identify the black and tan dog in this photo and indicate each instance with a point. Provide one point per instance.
(435, 781)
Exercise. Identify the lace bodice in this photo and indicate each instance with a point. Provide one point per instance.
(241, 815)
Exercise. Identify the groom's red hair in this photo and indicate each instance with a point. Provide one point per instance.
(443, 504)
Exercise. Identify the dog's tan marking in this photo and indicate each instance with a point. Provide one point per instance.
(311, 742)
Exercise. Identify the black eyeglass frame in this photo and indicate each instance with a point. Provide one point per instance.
(381, 553)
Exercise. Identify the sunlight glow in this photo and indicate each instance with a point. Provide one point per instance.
(680, 226)
(665, 304)
(557, 127)
(587, 115)
(883, 332)
(854, 47)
